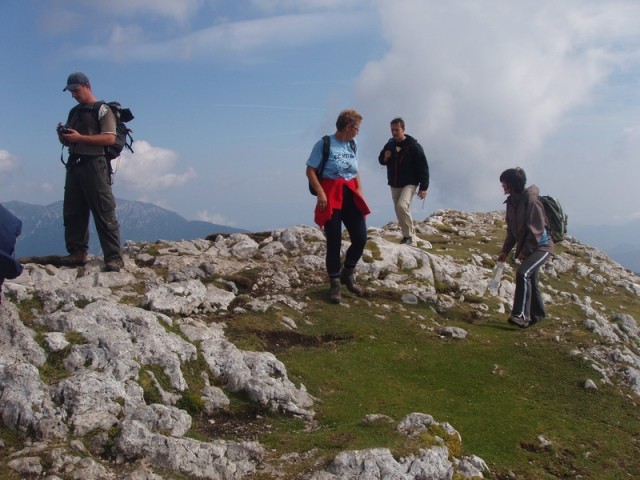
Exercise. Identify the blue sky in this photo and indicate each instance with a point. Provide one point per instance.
(230, 95)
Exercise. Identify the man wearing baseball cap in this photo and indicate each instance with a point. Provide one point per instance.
(90, 127)
(75, 80)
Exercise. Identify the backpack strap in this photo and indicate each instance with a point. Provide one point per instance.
(72, 113)
(94, 108)
(326, 147)
(69, 117)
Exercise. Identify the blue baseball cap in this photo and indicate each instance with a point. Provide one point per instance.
(75, 80)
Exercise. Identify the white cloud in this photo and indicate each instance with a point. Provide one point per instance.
(311, 5)
(632, 133)
(65, 16)
(8, 164)
(216, 218)
(45, 187)
(240, 40)
(484, 84)
(131, 29)
(179, 11)
(149, 169)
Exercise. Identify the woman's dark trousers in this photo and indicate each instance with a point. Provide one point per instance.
(354, 222)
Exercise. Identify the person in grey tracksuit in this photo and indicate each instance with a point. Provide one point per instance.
(528, 231)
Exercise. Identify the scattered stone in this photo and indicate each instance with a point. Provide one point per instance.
(590, 385)
(409, 299)
(289, 323)
(26, 465)
(544, 443)
(377, 417)
(145, 260)
(453, 332)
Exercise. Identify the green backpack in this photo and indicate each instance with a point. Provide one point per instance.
(556, 218)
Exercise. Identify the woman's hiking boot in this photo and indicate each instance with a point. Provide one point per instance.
(346, 277)
(334, 290)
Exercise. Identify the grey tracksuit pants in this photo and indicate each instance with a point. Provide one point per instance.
(527, 300)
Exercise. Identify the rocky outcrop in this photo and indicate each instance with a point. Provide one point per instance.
(103, 356)
(435, 463)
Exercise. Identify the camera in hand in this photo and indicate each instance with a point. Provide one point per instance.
(63, 129)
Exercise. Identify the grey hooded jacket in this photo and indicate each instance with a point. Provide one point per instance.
(527, 226)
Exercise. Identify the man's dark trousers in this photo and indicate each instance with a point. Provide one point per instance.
(88, 190)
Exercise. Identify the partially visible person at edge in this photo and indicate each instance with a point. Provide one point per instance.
(87, 184)
(10, 229)
(528, 231)
(407, 171)
(340, 201)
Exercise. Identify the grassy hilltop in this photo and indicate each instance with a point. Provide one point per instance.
(501, 387)
(556, 401)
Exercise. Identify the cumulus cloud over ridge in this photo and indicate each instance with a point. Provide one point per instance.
(485, 83)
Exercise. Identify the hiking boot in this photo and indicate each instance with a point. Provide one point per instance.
(406, 241)
(519, 321)
(346, 277)
(334, 290)
(77, 259)
(113, 265)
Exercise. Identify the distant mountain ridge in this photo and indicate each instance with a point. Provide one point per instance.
(620, 242)
(43, 226)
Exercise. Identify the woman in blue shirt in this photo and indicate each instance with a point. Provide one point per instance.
(340, 201)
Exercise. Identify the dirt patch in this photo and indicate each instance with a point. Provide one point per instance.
(275, 341)
(247, 423)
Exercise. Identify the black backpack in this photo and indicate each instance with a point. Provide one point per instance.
(326, 147)
(123, 133)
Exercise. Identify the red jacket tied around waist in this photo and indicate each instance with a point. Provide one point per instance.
(334, 189)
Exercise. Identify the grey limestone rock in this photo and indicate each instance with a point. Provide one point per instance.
(215, 459)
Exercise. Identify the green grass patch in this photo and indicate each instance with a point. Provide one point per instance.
(194, 372)
(53, 369)
(152, 250)
(12, 443)
(151, 393)
(500, 388)
(30, 308)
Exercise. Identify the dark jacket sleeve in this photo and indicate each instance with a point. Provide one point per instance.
(510, 239)
(387, 146)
